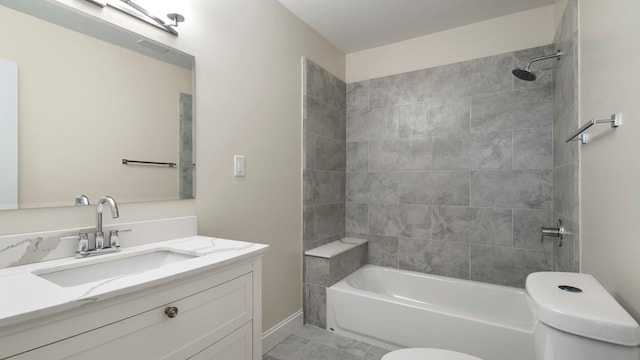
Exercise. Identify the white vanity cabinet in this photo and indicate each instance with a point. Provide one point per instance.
(218, 317)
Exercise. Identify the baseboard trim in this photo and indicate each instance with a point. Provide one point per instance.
(281, 331)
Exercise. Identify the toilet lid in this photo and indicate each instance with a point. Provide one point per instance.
(427, 354)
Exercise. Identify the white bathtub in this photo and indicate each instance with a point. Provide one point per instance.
(396, 309)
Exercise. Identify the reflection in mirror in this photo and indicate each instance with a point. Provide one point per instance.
(84, 104)
(8, 134)
(142, 10)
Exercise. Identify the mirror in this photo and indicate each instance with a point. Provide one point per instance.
(90, 94)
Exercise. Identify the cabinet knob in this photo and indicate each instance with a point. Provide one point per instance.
(171, 311)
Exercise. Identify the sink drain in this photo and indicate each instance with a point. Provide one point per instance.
(570, 288)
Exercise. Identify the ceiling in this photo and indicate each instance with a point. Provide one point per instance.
(353, 25)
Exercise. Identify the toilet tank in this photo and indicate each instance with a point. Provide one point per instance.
(579, 319)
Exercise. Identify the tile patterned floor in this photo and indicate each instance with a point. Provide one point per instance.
(311, 343)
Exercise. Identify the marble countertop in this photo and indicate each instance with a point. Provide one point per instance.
(25, 296)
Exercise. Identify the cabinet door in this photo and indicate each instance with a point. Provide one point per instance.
(202, 319)
(236, 346)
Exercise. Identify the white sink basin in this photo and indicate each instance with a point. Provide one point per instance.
(112, 267)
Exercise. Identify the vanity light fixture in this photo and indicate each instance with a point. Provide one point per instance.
(168, 27)
(136, 10)
(177, 18)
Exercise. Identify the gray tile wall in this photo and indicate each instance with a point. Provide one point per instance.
(321, 273)
(324, 176)
(186, 163)
(449, 170)
(566, 155)
(324, 156)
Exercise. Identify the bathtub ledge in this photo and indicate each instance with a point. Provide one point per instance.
(335, 248)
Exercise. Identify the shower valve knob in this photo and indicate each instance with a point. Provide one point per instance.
(553, 232)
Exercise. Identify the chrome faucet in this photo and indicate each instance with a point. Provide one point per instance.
(114, 214)
(84, 248)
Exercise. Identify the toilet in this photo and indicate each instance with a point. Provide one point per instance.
(577, 319)
(427, 354)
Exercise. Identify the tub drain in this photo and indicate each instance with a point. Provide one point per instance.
(570, 288)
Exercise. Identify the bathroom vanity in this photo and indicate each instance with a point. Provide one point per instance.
(190, 298)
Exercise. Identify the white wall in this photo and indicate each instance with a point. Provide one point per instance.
(252, 107)
(558, 10)
(610, 165)
(518, 31)
(247, 102)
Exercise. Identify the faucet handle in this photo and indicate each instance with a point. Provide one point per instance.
(114, 237)
(99, 240)
(83, 243)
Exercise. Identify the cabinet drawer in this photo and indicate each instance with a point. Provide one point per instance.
(202, 319)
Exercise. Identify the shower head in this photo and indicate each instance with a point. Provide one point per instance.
(526, 74)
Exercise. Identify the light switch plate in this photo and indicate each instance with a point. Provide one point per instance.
(238, 165)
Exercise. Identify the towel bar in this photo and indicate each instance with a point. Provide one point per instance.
(127, 161)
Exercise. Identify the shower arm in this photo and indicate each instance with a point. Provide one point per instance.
(540, 58)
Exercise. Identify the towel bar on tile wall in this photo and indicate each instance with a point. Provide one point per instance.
(615, 120)
(127, 162)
